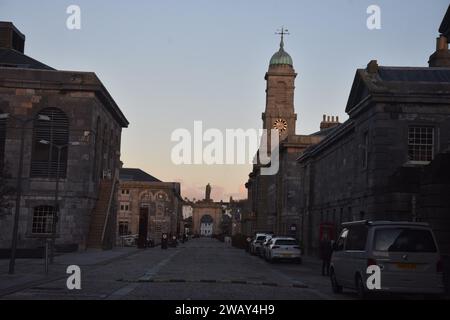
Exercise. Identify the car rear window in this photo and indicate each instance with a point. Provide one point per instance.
(260, 238)
(404, 240)
(286, 242)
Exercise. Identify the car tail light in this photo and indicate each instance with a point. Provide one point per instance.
(275, 247)
(440, 266)
(371, 262)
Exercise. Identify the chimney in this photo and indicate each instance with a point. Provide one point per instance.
(441, 58)
(329, 122)
(11, 37)
(372, 66)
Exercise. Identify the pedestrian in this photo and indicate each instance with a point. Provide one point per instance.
(326, 251)
(174, 241)
(164, 240)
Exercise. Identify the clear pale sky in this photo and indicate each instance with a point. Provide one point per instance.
(169, 63)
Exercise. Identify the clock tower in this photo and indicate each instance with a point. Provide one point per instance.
(280, 78)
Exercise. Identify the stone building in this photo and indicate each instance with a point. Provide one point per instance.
(390, 160)
(148, 206)
(207, 216)
(70, 111)
(273, 199)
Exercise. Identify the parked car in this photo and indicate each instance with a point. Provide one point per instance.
(406, 252)
(264, 246)
(255, 245)
(283, 248)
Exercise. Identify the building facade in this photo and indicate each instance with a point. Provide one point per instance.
(147, 205)
(390, 160)
(207, 216)
(71, 128)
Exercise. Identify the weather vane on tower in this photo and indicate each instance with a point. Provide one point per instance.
(283, 31)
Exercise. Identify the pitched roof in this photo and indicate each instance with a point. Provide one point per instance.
(399, 81)
(15, 59)
(131, 174)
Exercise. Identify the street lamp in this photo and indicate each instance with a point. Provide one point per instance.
(23, 124)
(55, 215)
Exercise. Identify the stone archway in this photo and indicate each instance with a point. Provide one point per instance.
(206, 226)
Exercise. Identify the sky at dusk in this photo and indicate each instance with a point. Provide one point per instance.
(170, 63)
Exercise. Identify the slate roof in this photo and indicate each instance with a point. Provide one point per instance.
(399, 82)
(436, 75)
(325, 132)
(15, 59)
(131, 174)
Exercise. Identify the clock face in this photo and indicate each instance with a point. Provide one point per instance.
(280, 125)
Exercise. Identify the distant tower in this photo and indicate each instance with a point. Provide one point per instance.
(208, 193)
(280, 78)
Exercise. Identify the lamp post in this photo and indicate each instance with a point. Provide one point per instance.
(59, 148)
(23, 124)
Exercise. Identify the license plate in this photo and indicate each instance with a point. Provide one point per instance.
(406, 266)
(286, 255)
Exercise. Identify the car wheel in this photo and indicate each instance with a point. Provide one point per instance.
(360, 288)
(334, 284)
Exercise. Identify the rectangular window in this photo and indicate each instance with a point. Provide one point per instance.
(420, 144)
(404, 240)
(43, 220)
(356, 238)
(124, 207)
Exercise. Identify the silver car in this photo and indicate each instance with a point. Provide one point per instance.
(283, 248)
(405, 252)
(255, 245)
(264, 246)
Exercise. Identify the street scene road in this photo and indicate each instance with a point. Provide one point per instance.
(199, 269)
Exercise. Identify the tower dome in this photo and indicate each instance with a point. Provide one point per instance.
(281, 57)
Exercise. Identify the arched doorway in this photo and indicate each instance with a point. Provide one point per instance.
(206, 226)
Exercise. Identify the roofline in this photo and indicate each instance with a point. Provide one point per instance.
(337, 134)
(10, 24)
(97, 87)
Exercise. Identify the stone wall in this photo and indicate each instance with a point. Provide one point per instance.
(339, 185)
(23, 95)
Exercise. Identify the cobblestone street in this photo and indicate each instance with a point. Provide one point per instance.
(199, 269)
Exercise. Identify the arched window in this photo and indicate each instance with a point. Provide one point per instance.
(44, 159)
(43, 220)
(2, 142)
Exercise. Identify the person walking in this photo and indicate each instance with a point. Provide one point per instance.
(164, 240)
(325, 254)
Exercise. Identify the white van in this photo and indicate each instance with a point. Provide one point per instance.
(406, 252)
